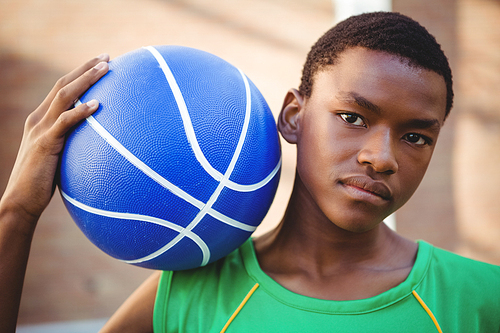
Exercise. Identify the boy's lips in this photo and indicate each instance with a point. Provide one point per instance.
(369, 185)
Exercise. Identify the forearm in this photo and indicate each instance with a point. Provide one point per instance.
(136, 314)
(31, 183)
(16, 233)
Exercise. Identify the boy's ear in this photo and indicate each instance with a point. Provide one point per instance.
(288, 119)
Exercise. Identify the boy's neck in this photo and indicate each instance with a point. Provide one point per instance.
(324, 250)
(312, 256)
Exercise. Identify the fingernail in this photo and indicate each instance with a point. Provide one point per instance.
(103, 56)
(93, 103)
(100, 65)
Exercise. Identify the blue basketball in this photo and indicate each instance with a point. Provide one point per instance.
(179, 164)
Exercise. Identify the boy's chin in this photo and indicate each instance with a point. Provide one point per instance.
(360, 224)
(358, 228)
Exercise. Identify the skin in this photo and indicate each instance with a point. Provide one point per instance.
(364, 140)
(361, 155)
(31, 184)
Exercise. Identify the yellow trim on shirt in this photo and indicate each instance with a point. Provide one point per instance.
(242, 304)
(429, 312)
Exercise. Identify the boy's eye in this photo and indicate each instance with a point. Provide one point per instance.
(416, 139)
(352, 119)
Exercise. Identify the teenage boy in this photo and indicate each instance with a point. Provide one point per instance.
(376, 90)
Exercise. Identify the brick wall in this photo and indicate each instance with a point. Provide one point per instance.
(476, 163)
(456, 206)
(430, 213)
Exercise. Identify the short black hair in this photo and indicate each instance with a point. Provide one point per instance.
(389, 32)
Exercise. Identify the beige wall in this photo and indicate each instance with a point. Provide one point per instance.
(476, 154)
(456, 207)
(430, 213)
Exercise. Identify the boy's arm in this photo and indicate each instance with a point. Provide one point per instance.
(136, 313)
(31, 184)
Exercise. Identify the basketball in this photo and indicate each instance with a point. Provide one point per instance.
(178, 166)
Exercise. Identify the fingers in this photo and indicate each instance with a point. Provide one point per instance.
(66, 96)
(31, 184)
(70, 118)
(46, 126)
(64, 81)
(82, 69)
(73, 75)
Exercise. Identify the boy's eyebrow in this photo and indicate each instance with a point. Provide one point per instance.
(353, 97)
(428, 124)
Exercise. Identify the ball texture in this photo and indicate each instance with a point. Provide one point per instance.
(179, 164)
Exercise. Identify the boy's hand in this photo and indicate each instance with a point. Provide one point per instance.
(31, 183)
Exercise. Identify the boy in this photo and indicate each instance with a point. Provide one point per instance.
(375, 92)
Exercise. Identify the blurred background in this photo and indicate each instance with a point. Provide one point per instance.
(457, 206)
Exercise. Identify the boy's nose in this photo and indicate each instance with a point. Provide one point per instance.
(378, 152)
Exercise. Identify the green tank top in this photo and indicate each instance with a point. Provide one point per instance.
(443, 293)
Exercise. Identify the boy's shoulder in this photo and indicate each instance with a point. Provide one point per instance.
(230, 268)
(462, 265)
(470, 287)
(463, 274)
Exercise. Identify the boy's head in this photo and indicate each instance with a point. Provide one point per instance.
(381, 31)
(375, 92)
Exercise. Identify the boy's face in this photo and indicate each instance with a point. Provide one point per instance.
(365, 136)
